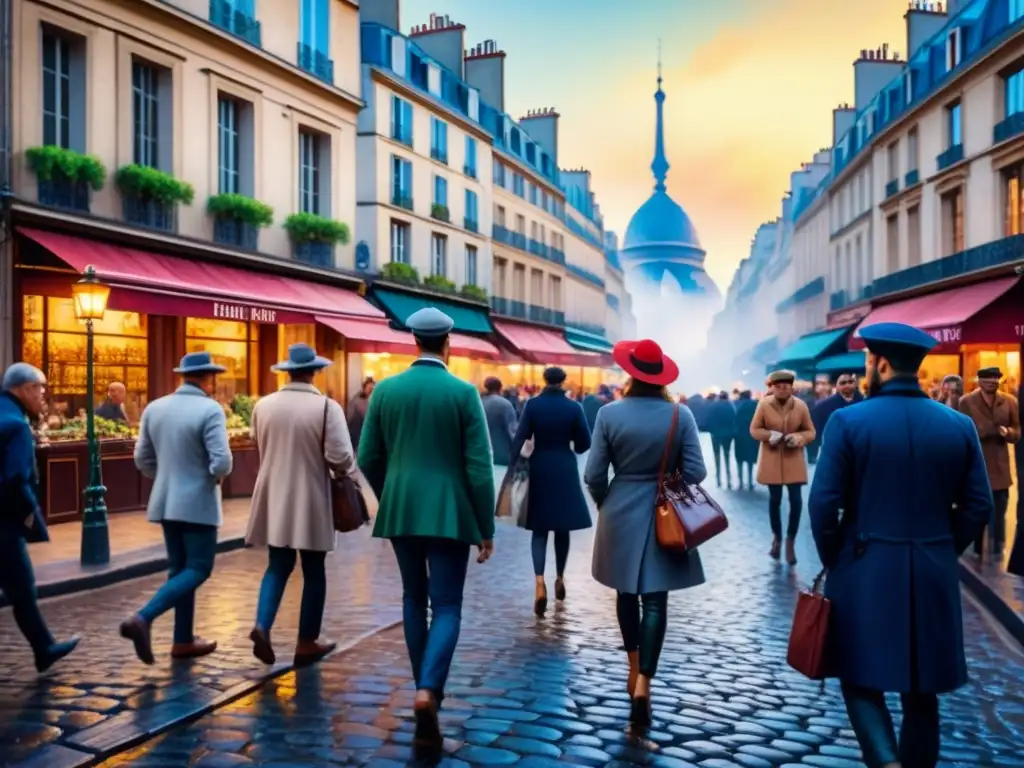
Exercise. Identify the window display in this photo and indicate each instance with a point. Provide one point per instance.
(1006, 357)
(232, 345)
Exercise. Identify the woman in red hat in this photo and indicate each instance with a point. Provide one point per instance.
(631, 435)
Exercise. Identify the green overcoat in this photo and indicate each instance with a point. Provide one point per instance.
(426, 453)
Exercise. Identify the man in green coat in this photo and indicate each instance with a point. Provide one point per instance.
(426, 453)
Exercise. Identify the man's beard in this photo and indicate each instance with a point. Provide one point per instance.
(874, 384)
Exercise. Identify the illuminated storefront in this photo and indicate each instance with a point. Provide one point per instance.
(540, 347)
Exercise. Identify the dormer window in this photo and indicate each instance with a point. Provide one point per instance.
(869, 123)
(954, 49)
(908, 86)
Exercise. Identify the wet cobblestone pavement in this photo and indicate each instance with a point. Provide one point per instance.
(534, 693)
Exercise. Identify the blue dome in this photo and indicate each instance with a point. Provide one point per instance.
(661, 221)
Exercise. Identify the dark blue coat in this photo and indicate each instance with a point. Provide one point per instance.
(909, 477)
(700, 407)
(721, 420)
(822, 411)
(19, 478)
(1016, 562)
(559, 431)
(745, 447)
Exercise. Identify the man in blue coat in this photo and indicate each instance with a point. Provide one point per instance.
(846, 394)
(909, 478)
(21, 519)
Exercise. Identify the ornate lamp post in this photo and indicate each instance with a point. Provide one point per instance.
(90, 303)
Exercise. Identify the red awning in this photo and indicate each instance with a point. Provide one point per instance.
(365, 335)
(544, 347)
(982, 313)
(155, 283)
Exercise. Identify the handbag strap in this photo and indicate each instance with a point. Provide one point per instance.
(669, 442)
(323, 439)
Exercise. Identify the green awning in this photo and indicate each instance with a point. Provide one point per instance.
(848, 362)
(399, 306)
(586, 341)
(806, 351)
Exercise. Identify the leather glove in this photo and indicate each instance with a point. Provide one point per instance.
(774, 437)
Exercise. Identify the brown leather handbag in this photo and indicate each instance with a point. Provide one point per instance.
(685, 516)
(348, 507)
(809, 636)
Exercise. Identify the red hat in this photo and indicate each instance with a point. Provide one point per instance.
(644, 361)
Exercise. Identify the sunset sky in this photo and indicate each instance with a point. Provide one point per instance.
(750, 87)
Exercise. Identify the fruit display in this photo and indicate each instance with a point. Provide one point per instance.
(74, 429)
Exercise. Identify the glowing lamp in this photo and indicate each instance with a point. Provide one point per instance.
(90, 296)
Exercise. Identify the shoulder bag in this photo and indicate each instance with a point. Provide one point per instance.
(348, 507)
(685, 516)
(808, 638)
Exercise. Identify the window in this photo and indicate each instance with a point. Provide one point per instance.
(63, 91)
(310, 167)
(1013, 181)
(1015, 91)
(237, 17)
(499, 173)
(470, 167)
(401, 120)
(533, 193)
(438, 255)
(909, 81)
(912, 150)
(520, 224)
(399, 241)
(231, 344)
(227, 130)
(146, 114)
(1016, 10)
(441, 191)
(401, 182)
(952, 222)
(892, 242)
(471, 278)
(913, 236)
(472, 211)
(315, 24)
(499, 215)
(517, 184)
(954, 49)
(954, 125)
(545, 200)
(438, 140)
(894, 161)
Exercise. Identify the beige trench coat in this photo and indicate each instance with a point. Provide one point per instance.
(1004, 412)
(780, 465)
(291, 503)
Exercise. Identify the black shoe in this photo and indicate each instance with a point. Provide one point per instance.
(559, 590)
(640, 712)
(540, 605)
(55, 653)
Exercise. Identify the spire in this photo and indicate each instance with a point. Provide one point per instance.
(659, 166)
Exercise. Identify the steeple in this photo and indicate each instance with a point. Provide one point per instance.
(659, 166)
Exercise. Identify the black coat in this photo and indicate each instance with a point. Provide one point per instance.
(745, 447)
(823, 410)
(700, 408)
(1016, 563)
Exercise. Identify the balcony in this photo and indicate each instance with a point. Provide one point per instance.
(228, 230)
(439, 212)
(469, 170)
(1008, 128)
(557, 256)
(441, 155)
(538, 248)
(594, 328)
(154, 214)
(913, 177)
(541, 314)
(316, 63)
(892, 187)
(508, 307)
(401, 200)
(61, 192)
(316, 254)
(237, 23)
(951, 156)
(586, 274)
(470, 225)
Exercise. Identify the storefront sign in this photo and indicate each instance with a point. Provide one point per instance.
(1018, 331)
(246, 313)
(951, 335)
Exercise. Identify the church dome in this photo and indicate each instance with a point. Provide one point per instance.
(661, 221)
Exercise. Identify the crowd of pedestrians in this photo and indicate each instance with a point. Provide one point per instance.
(905, 481)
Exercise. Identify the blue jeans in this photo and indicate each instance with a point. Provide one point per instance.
(433, 575)
(18, 583)
(191, 548)
(280, 564)
(916, 746)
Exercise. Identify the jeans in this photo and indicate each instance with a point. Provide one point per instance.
(996, 525)
(433, 575)
(280, 564)
(539, 547)
(740, 466)
(721, 446)
(918, 744)
(813, 449)
(191, 548)
(796, 504)
(646, 634)
(18, 583)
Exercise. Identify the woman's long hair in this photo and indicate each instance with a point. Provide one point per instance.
(637, 388)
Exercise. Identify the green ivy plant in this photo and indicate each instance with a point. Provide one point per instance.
(400, 272)
(439, 212)
(439, 283)
(245, 209)
(474, 292)
(311, 228)
(147, 183)
(51, 163)
(241, 406)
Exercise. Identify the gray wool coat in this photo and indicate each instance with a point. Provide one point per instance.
(629, 436)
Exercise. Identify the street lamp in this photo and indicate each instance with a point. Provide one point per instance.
(90, 297)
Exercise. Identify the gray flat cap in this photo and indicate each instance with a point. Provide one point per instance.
(22, 373)
(430, 323)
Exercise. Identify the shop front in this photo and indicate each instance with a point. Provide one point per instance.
(537, 348)
(976, 326)
(845, 362)
(160, 307)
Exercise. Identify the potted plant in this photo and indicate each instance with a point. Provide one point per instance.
(439, 283)
(237, 219)
(474, 292)
(400, 272)
(65, 176)
(151, 196)
(314, 237)
(440, 212)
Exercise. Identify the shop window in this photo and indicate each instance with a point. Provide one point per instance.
(55, 341)
(231, 344)
(1006, 357)
(935, 368)
(1014, 203)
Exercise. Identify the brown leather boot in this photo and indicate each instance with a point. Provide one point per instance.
(634, 670)
(261, 647)
(137, 630)
(311, 651)
(776, 548)
(197, 648)
(790, 552)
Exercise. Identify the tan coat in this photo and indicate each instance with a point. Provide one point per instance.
(291, 502)
(780, 465)
(1004, 412)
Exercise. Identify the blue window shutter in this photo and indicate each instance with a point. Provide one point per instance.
(323, 36)
(306, 22)
(406, 178)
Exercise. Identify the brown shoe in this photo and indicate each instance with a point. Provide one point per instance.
(790, 552)
(261, 647)
(137, 630)
(776, 548)
(197, 648)
(311, 651)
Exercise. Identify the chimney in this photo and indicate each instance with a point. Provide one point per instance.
(843, 118)
(542, 126)
(443, 40)
(924, 20)
(383, 12)
(874, 70)
(485, 70)
(955, 6)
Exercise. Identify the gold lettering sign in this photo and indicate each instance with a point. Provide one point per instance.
(246, 313)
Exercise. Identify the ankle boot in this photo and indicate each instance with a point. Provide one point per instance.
(790, 552)
(634, 671)
(776, 547)
(540, 602)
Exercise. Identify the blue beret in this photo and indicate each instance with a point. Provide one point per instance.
(429, 322)
(893, 336)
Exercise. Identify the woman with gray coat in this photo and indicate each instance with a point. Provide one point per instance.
(630, 436)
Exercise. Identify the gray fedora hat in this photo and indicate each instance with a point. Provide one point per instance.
(199, 362)
(302, 357)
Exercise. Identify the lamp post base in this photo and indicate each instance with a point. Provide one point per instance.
(95, 533)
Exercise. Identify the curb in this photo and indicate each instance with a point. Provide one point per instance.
(1010, 620)
(92, 746)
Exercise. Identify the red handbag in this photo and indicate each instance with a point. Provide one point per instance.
(808, 638)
